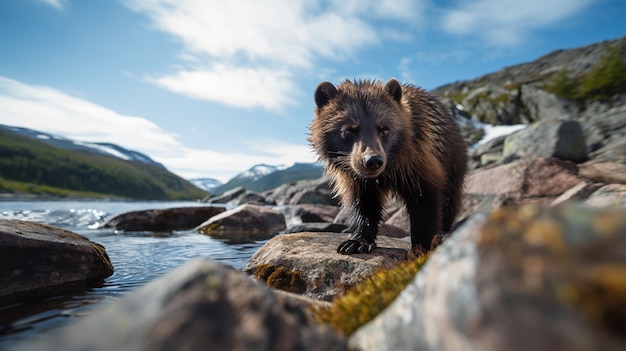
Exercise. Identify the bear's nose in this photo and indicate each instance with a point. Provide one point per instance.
(373, 161)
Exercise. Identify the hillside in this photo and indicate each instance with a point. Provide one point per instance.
(30, 166)
(561, 84)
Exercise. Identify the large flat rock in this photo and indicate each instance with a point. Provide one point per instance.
(308, 263)
(38, 259)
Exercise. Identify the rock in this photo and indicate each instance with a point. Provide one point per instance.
(578, 193)
(604, 125)
(163, 220)
(608, 195)
(199, 306)
(227, 196)
(603, 172)
(316, 213)
(316, 191)
(493, 104)
(524, 278)
(244, 224)
(309, 213)
(316, 227)
(41, 259)
(536, 180)
(486, 153)
(400, 219)
(543, 105)
(250, 197)
(308, 263)
(550, 138)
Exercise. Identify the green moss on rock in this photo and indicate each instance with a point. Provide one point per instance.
(368, 298)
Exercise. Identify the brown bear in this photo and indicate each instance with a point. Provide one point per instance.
(386, 140)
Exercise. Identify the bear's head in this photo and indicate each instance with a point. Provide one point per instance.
(359, 126)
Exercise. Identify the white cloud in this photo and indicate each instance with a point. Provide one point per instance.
(57, 4)
(46, 109)
(235, 86)
(242, 45)
(508, 22)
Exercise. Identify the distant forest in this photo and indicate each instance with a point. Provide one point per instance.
(31, 166)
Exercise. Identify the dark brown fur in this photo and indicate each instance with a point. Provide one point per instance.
(395, 139)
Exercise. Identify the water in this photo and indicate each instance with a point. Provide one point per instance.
(137, 257)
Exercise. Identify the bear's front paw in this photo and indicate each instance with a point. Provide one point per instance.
(350, 247)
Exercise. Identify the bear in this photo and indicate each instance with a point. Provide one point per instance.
(394, 140)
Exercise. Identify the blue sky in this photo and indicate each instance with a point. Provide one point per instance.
(210, 88)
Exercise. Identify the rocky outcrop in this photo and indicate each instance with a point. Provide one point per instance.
(244, 224)
(518, 94)
(522, 278)
(40, 259)
(200, 306)
(307, 263)
(163, 220)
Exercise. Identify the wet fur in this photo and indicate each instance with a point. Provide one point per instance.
(424, 155)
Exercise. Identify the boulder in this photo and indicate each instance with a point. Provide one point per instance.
(316, 191)
(549, 138)
(244, 224)
(202, 305)
(543, 105)
(305, 213)
(227, 196)
(41, 259)
(163, 220)
(523, 278)
(578, 193)
(535, 180)
(604, 124)
(316, 227)
(308, 263)
(400, 219)
(603, 172)
(608, 195)
(250, 197)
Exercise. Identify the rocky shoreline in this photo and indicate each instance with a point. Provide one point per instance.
(537, 260)
(527, 269)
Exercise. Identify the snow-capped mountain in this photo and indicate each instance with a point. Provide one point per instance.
(263, 177)
(96, 148)
(208, 184)
(258, 171)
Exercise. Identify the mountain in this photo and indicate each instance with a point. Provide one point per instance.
(95, 148)
(207, 184)
(264, 177)
(36, 166)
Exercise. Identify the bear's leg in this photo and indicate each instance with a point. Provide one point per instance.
(367, 211)
(425, 218)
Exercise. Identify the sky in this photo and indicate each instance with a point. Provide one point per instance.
(211, 88)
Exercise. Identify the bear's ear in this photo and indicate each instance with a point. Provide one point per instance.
(394, 89)
(325, 92)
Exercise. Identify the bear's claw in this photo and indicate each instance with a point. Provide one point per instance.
(350, 247)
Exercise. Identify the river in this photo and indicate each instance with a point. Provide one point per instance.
(137, 258)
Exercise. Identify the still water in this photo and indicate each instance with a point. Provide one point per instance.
(138, 257)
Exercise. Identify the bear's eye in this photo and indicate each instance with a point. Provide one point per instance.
(348, 132)
(383, 131)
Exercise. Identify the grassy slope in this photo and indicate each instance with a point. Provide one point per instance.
(31, 166)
